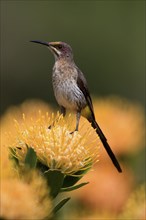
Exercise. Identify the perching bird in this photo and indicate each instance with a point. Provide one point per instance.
(71, 90)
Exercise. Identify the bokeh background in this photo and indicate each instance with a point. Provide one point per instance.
(107, 37)
(108, 41)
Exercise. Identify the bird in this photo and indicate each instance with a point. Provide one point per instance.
(71, 90)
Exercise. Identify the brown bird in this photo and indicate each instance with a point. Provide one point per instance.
(71, 90)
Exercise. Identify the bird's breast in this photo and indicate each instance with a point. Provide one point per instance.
(67, 92)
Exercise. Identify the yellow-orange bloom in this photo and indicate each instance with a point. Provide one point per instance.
(30, 108)
(56, 148)
(25, 199)
(108, 190)
(122, 122)
(135, 207)
(6, 165)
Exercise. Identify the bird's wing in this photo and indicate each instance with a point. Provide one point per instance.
(82, 84)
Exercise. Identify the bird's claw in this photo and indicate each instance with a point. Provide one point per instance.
(73, 131)
(50, 126)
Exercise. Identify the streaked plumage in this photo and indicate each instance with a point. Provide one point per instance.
(71, 90)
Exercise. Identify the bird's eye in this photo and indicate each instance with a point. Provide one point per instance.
(60, 46)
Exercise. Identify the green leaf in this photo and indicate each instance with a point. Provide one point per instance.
(71, 188)
(55, 180)
(72, 180)
(41, 167)
(31, 158)
(60, 205)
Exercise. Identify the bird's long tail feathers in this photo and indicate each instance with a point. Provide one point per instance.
(106, 145)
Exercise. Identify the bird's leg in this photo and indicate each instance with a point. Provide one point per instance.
(78, 115)
(62, 111)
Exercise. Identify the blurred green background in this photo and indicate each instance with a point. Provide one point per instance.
(107, 37)
(108, 41)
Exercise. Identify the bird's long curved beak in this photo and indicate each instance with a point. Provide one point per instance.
(40, 42)
(50, 45)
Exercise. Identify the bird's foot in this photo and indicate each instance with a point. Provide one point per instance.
(50, 126)
(73, 131)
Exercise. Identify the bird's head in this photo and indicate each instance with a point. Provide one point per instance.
(59, 49)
